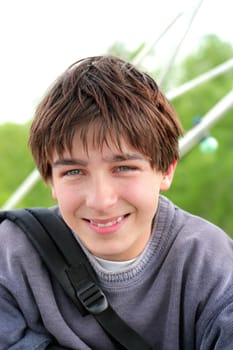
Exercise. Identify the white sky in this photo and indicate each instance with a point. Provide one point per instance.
(39, 39)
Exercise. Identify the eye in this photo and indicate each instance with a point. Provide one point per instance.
(73, 172)
(124, 168)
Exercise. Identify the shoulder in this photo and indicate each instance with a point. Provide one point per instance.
(17, 255)
(200, 257)
(15, 247)
(193, 231)
(201, 249)
(11, 237)
(200, 235)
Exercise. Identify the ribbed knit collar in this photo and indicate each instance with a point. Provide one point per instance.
(151, 253)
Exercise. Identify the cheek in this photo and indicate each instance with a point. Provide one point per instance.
(142, 195)
(65, 196)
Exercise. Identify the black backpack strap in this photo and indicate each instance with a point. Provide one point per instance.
(66, 260)
(45, 245)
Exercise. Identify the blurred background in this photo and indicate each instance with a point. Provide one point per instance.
(187, 46)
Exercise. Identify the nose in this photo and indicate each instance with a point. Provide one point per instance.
(101, 194)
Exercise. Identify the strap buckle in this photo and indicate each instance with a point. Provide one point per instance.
(92, 297)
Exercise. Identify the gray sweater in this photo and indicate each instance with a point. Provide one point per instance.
(178, 294)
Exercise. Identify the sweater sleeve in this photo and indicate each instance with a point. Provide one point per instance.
(31, 314)
(218, 330)
(56, 347)
(20, 325)
(14, 333)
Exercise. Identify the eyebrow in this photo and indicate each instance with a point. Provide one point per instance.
(111, 159)
(122, 157)
(68, 161)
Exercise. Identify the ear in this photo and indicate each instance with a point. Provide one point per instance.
(168, 177)
(53, 191)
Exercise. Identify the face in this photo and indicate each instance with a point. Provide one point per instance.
(108, 197)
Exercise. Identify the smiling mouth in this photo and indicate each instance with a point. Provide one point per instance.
(107, 222)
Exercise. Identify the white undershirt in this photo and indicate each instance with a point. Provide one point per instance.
(113, 266)
(108, 265)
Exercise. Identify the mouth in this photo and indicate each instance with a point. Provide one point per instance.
(107, 222)
(106, 225)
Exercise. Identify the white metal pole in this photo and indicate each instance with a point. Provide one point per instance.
(171, 62)
(220, 69)
(149, 47)
(22, 190)
(195, 135)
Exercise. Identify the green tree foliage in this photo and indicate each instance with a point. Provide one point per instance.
(203, 183)
(16, 164)
(211, 53)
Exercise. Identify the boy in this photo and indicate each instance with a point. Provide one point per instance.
(105, 139)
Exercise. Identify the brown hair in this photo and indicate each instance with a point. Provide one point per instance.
(116, 99)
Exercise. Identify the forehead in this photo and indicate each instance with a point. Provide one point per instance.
(109, 149)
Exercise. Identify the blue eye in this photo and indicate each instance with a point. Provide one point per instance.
(74, 172)
(124, 168)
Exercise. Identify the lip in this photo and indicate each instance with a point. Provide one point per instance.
(106, 226)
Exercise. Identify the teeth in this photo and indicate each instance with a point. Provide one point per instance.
(107, 224)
